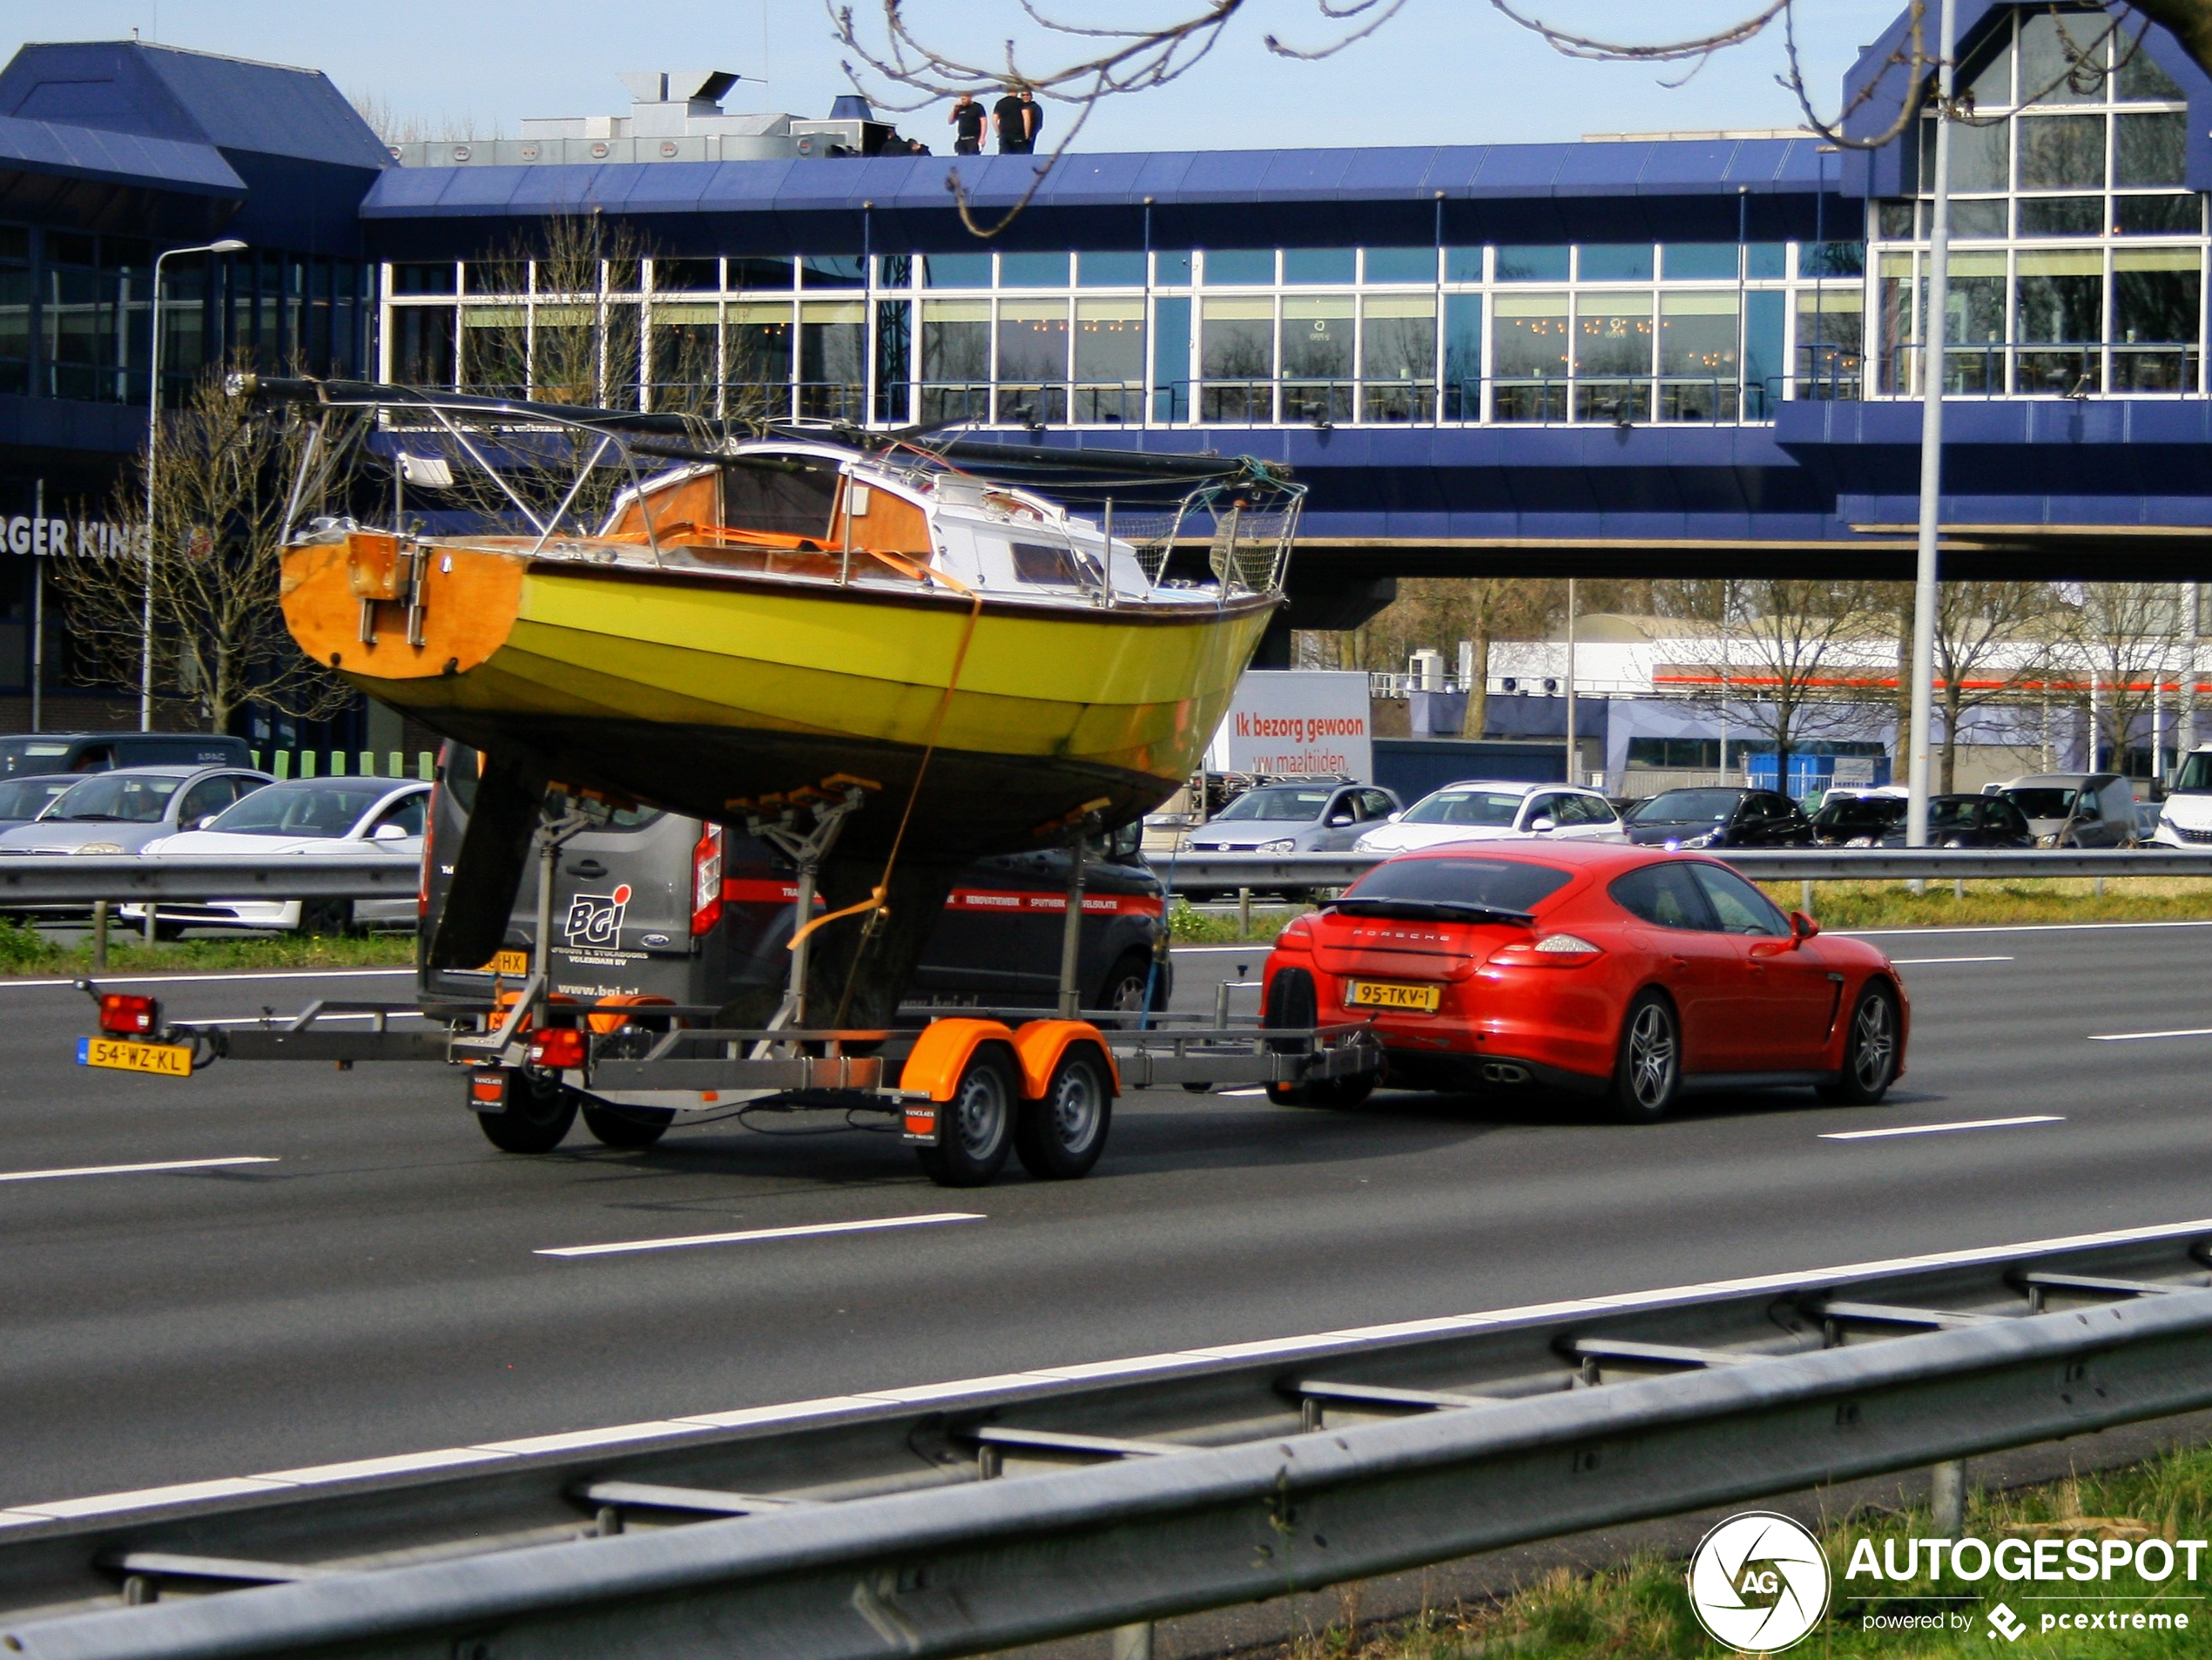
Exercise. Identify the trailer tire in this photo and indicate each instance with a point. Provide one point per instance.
(977, 1124)
(1060, 1137)
(539, 1114)
(627, 1126)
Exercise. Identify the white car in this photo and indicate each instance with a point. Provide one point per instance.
(322, 817)
(1488, 810)
(2185, 818)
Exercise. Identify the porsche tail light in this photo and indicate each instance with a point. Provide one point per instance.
(1552, 951)
(558, 1048)
(125, 1015)
(1298, 936)
(707, 881)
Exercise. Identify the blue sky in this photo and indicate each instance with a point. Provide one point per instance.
(1443, 71)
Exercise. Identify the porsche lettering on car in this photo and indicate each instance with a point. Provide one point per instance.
(1622, 972)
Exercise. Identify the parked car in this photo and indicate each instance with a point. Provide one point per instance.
(2075, 809)
(24, 798)
(1483, 810)
(99, 751)
(1719, 818)
(119, 811)
(1846, 821)
(1624, 973)
(629, 921)
(1968, 821)
(2185, 817)
(1319, 817)
(323, 817)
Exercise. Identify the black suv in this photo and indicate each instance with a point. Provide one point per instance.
(99, 751)
(638, 913)
(1718, 817)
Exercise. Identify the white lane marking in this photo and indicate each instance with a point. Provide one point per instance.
(131, 1170)
(1914, 962)
(1940, 1129)
(192, 979)
(2136, 1037)
(837, 1406)
(2019, 927)
(1260, 1090)
(752, 1234)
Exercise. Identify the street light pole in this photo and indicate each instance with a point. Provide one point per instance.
(227, 245)
(1931, 367)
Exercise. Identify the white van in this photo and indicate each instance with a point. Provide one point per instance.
(2185, 820)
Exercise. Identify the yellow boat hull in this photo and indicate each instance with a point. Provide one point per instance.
(705, 693)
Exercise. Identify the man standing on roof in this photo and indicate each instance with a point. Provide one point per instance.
(1033, 113)
(1011, 118)
(967, 116)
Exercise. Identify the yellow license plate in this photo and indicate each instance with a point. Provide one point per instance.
(1385, 994)
(508, 962)
(166, 1060)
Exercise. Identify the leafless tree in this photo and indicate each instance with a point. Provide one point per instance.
(219, 642)
(1991, 642)
(2120, 640)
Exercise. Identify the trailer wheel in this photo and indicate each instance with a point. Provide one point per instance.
(1061, 1137)
(627, 1126)
(977, 1122)
(538, 1115)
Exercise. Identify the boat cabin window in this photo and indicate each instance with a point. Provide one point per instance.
(766, 498)
(1038, 561)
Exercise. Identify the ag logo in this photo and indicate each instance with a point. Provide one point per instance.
(1758, 1582)
(596, 919)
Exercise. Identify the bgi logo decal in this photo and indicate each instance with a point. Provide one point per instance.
(1758, 1582)
(595, 920)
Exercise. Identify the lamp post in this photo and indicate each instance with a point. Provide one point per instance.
(1924, 591)
(227, 245)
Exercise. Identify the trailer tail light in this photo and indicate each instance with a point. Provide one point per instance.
(707, 881)
(125, 1015)
(558, 1048)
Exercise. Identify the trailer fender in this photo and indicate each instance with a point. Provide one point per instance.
(942, 1054)
(1040, 1044)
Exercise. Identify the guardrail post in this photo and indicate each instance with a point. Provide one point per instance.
(99, 936)
(1947, 1497)
(1804, 897)
(1243, 913)
(1133, 1642)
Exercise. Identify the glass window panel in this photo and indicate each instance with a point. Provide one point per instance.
(1986, 76)
(833, 359)
(1766, 259)
(1971, 219)
(15, 242)
(2157, 215)
(832, 270)
(1465, 265)
(1697, 335)
(2154, 293)
(2060, 58)
(894, 329)
(1894, 220)
(1228, 266)
(1033, 270)
(1109, 270)
(687, 276)
(2062, 151)
(495, 277)
(2061, 215)
(1533, 264)
(956, 270)
(894, 270)
(1612, 335)
(1402, 264)
(2141, 78)
(1171, 359)
(1688, 261)
(1033, 341)
(1613, 261)
(2061, 296)
(2150, 149)
(495, 349)
(1831, 260)
(756, 359)
(1172, 270)
(1237, 340)
(1980, 155)
(955, 360)
(1974, 312)
(754, 270)
(1531, 333)
(1320, 264)
(422, 345)
(1397, 355)
(1831, 335)
(1762, 363)
(1463, 357)
(412, 278)
(683, 342)
(1317, 337)
(1110, 341)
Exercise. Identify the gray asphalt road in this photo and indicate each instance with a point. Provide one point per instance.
(375, 1288)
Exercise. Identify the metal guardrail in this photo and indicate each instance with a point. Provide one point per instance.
(43, 879)
(1306, 870)
(1255, 1472)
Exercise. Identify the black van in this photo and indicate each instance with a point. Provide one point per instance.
(636, 912)
(101, 752)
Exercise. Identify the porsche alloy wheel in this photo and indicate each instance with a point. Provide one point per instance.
(1870, 1052)
(1647, 1075)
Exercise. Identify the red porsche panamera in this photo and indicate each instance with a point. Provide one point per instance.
(1624, 972)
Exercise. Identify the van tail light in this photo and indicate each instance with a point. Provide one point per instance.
(125, 1015)
(1552, 951)
(707, 881)
(558, 1048)
(430, 836)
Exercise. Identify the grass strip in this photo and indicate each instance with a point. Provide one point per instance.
(24, 952)
(2123, 899)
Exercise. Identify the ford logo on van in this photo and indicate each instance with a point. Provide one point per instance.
(656, 939)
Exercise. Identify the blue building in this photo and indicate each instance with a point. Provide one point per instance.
(1688, 355)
